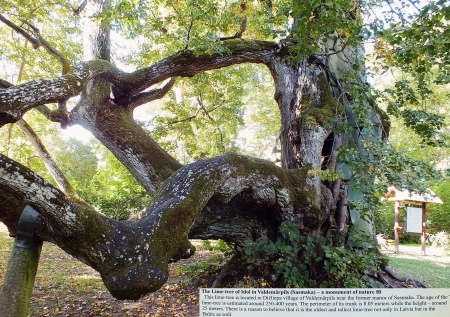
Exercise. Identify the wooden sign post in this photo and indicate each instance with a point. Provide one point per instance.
(415, 213)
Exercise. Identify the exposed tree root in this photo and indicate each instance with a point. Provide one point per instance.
(389, 277)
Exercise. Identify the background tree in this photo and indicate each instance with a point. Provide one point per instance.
(331, 136)
(413, 57)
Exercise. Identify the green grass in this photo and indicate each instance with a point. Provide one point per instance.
(433, 274)
(5, 249)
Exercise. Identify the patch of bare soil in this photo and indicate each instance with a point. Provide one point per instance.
(66, 287)
(432, 254)
(178, 298)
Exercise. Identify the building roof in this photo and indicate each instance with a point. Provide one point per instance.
(395, 194)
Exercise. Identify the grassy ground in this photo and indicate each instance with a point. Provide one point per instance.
(433, 269)
(434, 274)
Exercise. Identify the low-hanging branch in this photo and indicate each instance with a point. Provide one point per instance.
(132, 257)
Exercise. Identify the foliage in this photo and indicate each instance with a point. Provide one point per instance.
(176, 25)
(418, 113)
(438, 219)
(63, 33)
(220, 111)
(380, 166)
(77, 161)
(195, 270)
(384, 219)
(219, 246)
(416, 41)
(308, 261)
(112, 189)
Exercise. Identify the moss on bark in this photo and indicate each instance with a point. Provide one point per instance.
(322, 107)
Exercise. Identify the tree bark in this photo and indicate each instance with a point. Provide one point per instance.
(232, 197)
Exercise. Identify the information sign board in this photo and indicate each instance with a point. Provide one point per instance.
(413, 220)
(324, 302)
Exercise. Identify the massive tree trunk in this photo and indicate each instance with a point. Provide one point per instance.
(231, 197)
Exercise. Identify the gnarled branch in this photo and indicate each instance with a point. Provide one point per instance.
(17, 100)
(133, 257)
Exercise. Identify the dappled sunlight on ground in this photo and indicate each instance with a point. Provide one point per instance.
(66, 287)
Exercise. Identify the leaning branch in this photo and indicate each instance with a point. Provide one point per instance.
(151, 95)
(186, 64)
(132, 257)
(52, 167)
(17, 100)
(37, 40)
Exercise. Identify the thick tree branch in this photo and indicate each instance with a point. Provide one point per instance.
(185, 64)
(133, 257)
(17, 100)
(153, 94)
(115, 127)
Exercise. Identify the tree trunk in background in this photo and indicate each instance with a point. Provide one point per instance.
(96, 38)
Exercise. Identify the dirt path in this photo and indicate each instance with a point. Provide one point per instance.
(433, 254)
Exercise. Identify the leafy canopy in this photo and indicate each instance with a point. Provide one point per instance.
(208, 120)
